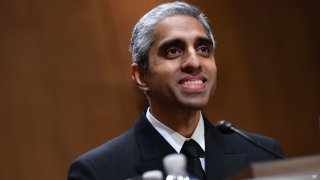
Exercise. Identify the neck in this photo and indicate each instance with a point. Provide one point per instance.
(182, 121)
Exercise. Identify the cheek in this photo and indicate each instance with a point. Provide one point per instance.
(160, 73)
(215, 70)
(212, 69)
(165, 68)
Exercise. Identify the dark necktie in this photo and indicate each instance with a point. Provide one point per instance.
(193, 152)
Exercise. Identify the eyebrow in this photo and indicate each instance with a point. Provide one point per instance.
(169, 43)
(204, 40)
(178, 41)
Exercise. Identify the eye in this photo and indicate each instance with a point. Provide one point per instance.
(173, 53)
(204, 50)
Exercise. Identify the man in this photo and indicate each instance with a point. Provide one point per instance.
(173, 64)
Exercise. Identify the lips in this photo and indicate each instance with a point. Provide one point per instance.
(193, 83)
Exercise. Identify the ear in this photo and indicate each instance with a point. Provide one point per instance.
(138, 76)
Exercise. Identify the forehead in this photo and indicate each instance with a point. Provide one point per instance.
(179, 26)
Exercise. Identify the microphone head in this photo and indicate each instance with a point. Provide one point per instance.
(152, 175)
(175, 163)
(225, 127)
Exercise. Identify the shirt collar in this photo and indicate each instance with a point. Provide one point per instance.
(175, 139)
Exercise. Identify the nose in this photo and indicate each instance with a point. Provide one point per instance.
(191, 62)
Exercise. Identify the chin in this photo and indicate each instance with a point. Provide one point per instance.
(193, 102)
(194, 106)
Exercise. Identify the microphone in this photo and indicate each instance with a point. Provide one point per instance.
(228, 128)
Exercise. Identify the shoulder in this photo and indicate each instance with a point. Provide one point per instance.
(237, 144)
(254, 152)
(112, 147)
(105, 160)
(266, 141)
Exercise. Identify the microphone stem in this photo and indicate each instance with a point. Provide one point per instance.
(256, 143)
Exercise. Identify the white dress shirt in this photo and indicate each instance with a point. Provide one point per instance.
(175, 139)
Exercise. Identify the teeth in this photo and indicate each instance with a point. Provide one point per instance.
(193, 82)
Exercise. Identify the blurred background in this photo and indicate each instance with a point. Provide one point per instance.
(65, 86)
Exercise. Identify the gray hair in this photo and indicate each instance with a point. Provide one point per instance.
(143, 35)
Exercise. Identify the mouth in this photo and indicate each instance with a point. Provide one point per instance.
(193, 83)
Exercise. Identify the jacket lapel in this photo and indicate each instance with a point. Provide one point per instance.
(152, 146)
(221, 160)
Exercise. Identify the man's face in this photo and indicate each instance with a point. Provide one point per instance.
(182, 70)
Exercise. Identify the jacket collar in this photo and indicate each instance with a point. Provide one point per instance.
(221, 159)
(153, 147)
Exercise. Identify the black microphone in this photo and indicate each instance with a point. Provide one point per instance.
(228, 128)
